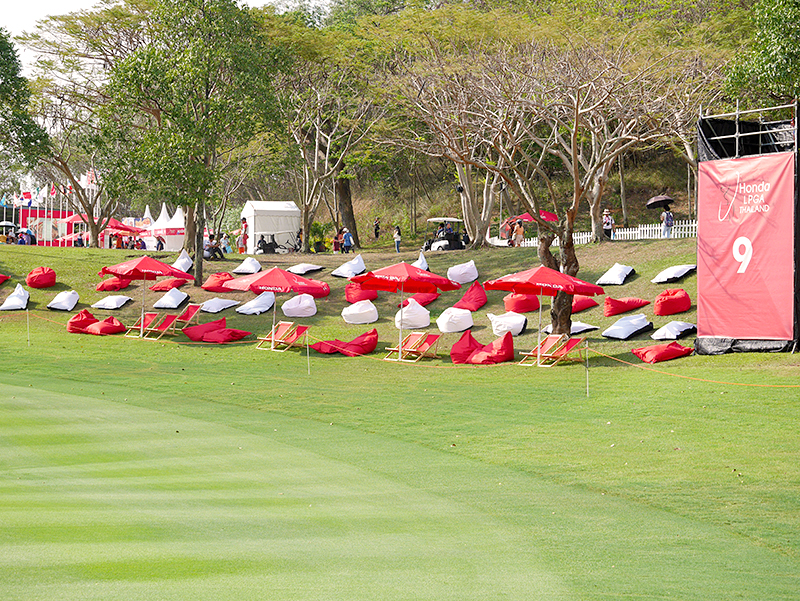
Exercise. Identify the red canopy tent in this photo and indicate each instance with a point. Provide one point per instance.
(403, 277)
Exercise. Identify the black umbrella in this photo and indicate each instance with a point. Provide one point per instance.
(659, 202)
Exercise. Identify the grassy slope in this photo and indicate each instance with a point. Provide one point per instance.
(429, 481)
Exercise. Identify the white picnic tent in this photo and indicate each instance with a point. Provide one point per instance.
(271, 218)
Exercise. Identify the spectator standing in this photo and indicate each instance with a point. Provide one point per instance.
(377, 227)
(397, 238)
(519, 233)
(608, 224)
(347, 241)
(667, 221)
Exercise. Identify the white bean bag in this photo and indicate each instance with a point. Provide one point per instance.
(64, 301)
(215, 305)
(249, 265)
(115, 301)
(413, 316)
(302, 305)
(302, 268)
(360, 312)
(508, 322)
(454, 320)
(422, 262)
(463, 273)
(673, 274)
(183, 262)
(628, 326)
(260, 304)
(578, 327)
(16, 300)
(171, 300)
(674, 330)
(616, 275)
(351, 268)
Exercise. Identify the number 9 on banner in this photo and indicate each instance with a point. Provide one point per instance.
(742, 252)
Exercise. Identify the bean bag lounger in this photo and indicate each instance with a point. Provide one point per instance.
(464, 347)
(627, 327)
(423, 298)
(302, 305)
(196, 333)
(315, 288)
(454, 320)
(214, 282)
(113, 302)
(674, 330)
(521, 303)
(224, 335)
(578, 327)
(109, 325)
(171, 300)
(113, 284)
(474, 298)
(64, 301)
(3, 278)
(463, 273)
(672, 301)
(360, 345)
(413, 315)
(41, 277)
(360, 313)
(260, 304)
(215, 305)
(467, 350)
(303, 268)
(183, 262)
(581, 303)
(422, 262)
(78, 323)
(168, 284)
(249, 265)
(615, 276)
(350, 268)
(673, 274)
(662, 352)
(615, 306)
(508, 322)
(353, 293)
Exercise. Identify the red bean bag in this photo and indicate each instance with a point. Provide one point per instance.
(423, 298)
(80, 321)
(110, 325)
(671, 301)
(41, 277)
(168, 284)
(197, 333)
(464, 347)
(315, 288)
(498, 351)
(581, 303)
(224, 335)
(353, 293)
(112, 284)
(474, 298)
(661, 352)
(360, 345)
(615, 306)
(215, 282)
(3, 278)
(521, 303)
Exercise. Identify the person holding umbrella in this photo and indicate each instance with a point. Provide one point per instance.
(667, 221)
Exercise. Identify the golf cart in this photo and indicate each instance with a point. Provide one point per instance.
(446, 234)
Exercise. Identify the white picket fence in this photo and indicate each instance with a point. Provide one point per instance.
(648, 231)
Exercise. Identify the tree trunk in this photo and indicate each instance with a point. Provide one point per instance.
(200, 225)
(622, 198)
(345, 198)
(190, 229)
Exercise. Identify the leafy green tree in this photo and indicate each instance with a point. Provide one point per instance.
(200, 88)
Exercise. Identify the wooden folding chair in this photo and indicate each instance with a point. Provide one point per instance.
(409, 343)
(136, 329)
(281, 330)
(565, 352)
(165, 326)
(190, 316)
(548, 344)
(297, 337)
(427, 348)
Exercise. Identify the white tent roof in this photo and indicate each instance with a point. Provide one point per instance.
(147, 214)
(177, 221)
(281, 219)
(163, 219)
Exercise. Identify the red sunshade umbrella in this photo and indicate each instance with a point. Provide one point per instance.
(144, 268)
(544, 215)
(542, 280)
(402, 277)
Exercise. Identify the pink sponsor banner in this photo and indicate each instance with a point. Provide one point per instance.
(745, 248)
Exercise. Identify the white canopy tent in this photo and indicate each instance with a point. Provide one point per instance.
(280, 219)
(173, 230)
